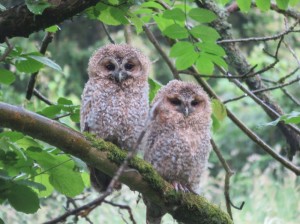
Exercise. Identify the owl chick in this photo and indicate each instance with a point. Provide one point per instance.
(177, 140)
(115, 99)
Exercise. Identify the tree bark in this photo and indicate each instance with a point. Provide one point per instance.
(240, 64)
(184, 207)
(18, 21)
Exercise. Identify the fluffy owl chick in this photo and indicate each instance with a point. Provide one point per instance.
(177, 140)
(115, 99)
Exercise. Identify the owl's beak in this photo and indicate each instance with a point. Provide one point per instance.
(186, 111)
(119, 76)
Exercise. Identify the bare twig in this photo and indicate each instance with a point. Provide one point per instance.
(7, 50)
(30, 87)
(107, 33)
(41, 97)
(229, 173)
(273, 37)
(155, 43)
(122, 207)
(296, 101)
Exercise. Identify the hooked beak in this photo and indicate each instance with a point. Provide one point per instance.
(186, 111)
(119, 76)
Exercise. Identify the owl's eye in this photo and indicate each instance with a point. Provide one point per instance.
(110, 67)
(175, 102)
(128, 66)
(195, 103)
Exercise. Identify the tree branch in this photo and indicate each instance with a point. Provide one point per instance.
(105, 156)
(18, 21)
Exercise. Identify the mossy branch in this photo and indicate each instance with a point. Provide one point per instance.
(105, 156)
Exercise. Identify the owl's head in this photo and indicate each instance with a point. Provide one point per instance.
(181, 101)
(118, 62)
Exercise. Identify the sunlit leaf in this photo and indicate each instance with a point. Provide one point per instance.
(175, 31)
(53, 29)
(282, 4)
(37, 7)
(46, 61)
(175, 14)
(152, 4)
(205, 33)
(6, 77)
(219, 110)
(202, 15)
(204, 65)
(111, 15)
(244, 5)
(185, 61)
(212, 48)
(28, 65)
(154, 87)
(181, 48)
(263, 5)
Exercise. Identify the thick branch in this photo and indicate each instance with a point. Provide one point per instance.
(187, 208)
(20, 22)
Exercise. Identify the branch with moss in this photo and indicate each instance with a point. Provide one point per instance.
(18, 21)
(105, 156)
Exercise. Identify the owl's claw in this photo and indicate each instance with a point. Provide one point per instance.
(180, 187)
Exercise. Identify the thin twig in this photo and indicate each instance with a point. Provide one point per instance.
(7, 50)
(30, 87)
(107, 33)
(122, 207)
(41, 97)
(281, 80)
(155, 43)
(296, 101)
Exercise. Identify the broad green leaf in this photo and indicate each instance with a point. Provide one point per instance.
(32, 184)
(27, 142)
(12, 135)
(162, 22)
(294, 2)
(181, 48)
(202, 15)
(152, 4)
(175, 14)
(292, 118)
(212, 48)
(46, 61)
(244, 5)
(53, 29)
(111, 15)
(28, 65)
(185, 61)
(51, 111)
(137, 22)
(175, 31)
(205, 33)
(263, 5)
(282, 4)
(86, 179)
(219, 110)
(204, 65)
(44, 180)
(6, 77)
(154, 87)
(64, 101)
(75, 117)
(23, 199)
(67, 182)
(37, 7)
(216, 124)
(216, 60)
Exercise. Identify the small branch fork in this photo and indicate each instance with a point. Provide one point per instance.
(7, 50)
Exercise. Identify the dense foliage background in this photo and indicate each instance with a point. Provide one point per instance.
(187, 31)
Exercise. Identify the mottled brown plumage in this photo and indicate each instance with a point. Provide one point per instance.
(177, 140)
(115, 99)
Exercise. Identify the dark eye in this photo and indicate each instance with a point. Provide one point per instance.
(128, 66)
(175, 101)
(110, 67)
(195, 103)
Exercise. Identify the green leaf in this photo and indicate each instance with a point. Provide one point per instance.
(154, 87)
(51, 111)
(294, 2)
(44, 180)
(244, 5)
(219, 110)
(162, 22)
(28, 65)
(282, 4)
(181, 48)
(137, 22)
(185, 61)
(23, 199)
(211, 48)
(12, 135)
(175, 14)
(6, 77)
(37, 7)
(216, 60)
(66, 182)
(204, 65)
(152, 4)
(291, 118)
(202, 15)
(205, 33)
(223, 2)
(175, 31)
(46, 61)
(111, 15)
(263, 5)
(53, 29)
(64, 101)
(75, 117)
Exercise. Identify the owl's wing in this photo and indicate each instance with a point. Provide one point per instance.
(85, 111)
